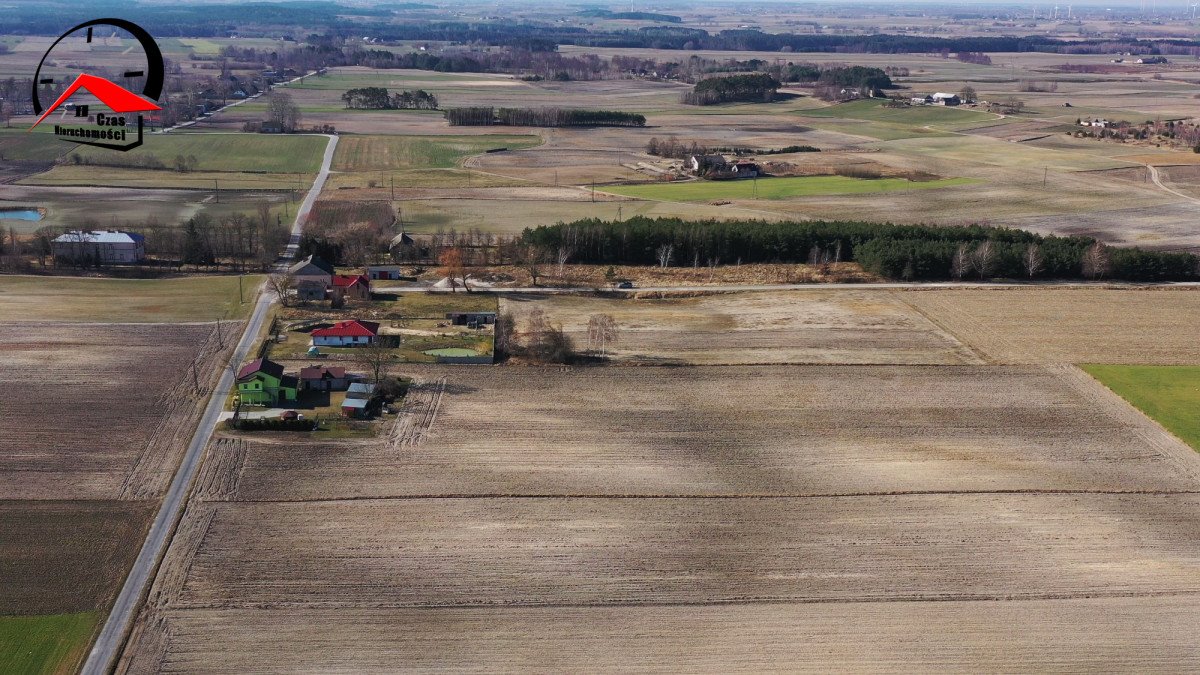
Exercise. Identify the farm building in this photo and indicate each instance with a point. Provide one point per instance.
(322, 378)
(700, 164)
(99, 246)
(312, 269)
(354, 407)
(941, 98)
(262, 382)
(360, 391)
(351, 333)
(473, 319)
(404, 247)
(383, 272)
(354, 286)
(922, 100)
(745, 170)
(309, 290)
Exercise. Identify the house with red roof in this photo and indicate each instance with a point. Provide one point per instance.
(262, 382)
(356, 286)
(351, 333)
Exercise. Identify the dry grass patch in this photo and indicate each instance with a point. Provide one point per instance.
(809, 326)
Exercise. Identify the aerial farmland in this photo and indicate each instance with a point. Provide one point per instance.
(530, 338)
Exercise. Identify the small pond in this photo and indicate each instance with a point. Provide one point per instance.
(20, 214)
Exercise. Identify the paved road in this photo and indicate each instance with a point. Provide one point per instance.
(112, 637)
(544, 290)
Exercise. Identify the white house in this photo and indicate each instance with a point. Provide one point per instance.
(350, 333)
(102, 246)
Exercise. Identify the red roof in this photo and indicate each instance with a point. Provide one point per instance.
(351, 328)
(318, 372)
(345, 281)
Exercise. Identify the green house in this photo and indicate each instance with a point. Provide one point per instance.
(262, 382)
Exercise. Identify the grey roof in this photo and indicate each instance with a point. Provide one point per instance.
(361, 387)
(354, 403)
(313, 261)
(99, 237)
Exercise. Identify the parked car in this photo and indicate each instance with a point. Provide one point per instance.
(290, 415)
(625, 284)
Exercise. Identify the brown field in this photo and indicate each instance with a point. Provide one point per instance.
(67, 556)
(127, 393)
(1151, 326)
(523, 517)
(819, 326)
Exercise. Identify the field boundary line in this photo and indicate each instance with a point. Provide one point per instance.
(1166, 444)
(1090, 594)
(462, 496)
(944, 330)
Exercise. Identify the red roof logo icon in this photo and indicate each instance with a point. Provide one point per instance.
(116, 97)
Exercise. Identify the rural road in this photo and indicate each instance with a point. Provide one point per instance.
(120, 620)
(1158, 181)
(788, 287)
(227, 106)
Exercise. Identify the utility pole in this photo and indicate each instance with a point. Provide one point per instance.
(593, 190)
(393, 187)
(217, 190)
(241, 301)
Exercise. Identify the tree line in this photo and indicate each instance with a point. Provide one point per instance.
(378, 98)
(911, 252)
(753, 87)
(541, 117)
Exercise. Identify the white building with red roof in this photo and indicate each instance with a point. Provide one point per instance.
(351, 333)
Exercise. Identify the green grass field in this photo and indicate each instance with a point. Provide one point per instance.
(53, 643)
(66, 175)
(227, 152)
(17, 145)
(383, 153)
(874, 110)
(1169, 394)
(777, 188)
(206, 298)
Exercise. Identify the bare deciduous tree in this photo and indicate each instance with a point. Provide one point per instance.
(601, 332)
(281, 284)
(1033, 260)
(377, 354)
(983, 259)
(1096, 261)
(565, 252)
(665, 254)
(960, 264)
(531, 258)
(712, 267)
